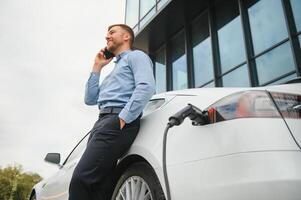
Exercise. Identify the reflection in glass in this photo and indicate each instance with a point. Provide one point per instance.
(285, 79)
(230, 36)
(267, 23)
(275, 63)
(237, 78)
(296, 6)
(179, 64)
(145, 6)
(202, 53)
(209, 85)
(160, 68)
(132, 12)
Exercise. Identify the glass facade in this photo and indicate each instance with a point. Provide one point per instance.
(147, 10)
(209, 85)
(132, 12)
(285, 79)
(296, 7)
(179, 63)
(233, 43)
(274, 64)
(147, 17)
(202, 51)
(146, 6)
(237, 78)
(160, 71)
(267, 23)
(230, 38)
(139, 12)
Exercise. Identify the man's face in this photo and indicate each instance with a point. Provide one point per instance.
(116, 37)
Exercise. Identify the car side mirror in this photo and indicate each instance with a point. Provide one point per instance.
(54, 158)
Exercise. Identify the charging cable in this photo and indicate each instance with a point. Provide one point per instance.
(198, 118)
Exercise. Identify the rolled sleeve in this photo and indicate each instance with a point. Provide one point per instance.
(92, 89)
(142, 69)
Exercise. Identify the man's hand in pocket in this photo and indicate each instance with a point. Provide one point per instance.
(122, 123)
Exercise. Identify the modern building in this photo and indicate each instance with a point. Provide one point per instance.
(218, 43)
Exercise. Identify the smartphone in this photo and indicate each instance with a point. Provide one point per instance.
(108, 54)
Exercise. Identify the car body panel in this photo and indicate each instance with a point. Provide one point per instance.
(295, 127)
(57, 188)
(226, 138)
(245, 176)
(224, 160)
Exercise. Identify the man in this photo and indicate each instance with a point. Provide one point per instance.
(121, 98)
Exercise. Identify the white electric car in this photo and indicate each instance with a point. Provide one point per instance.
(247, 146)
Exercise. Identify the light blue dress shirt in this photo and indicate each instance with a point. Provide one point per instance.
(130, 85)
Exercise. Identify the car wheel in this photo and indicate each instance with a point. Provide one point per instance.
(33, 197)
(138, 182)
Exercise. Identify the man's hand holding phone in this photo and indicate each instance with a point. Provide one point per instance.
(102, 58)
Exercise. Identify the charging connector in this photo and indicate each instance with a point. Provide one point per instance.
(198, 118)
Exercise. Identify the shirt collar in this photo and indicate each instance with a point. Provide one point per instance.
(119, 56)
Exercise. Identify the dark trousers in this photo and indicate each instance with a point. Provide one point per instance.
(93, 175)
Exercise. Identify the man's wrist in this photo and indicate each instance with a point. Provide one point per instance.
(96, 68)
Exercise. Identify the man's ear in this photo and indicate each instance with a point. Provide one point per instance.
(126, 37)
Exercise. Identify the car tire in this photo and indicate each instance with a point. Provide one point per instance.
(139, 182)
(33, 197)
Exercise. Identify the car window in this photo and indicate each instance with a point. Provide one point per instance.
(78, 149)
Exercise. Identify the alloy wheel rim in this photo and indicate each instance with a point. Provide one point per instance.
(134, 188)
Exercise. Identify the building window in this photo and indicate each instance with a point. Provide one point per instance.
(145, 6)
(237, 78)
(230, 37)
(160, 69)
(285, 79)
(274, 64)
(209, 85)
(296, 6)
(267, 23)
(147, 10)
(202, 52)
(139, 12)
(179, 62)
(132, 12)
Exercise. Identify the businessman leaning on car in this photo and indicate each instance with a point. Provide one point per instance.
(121, 97)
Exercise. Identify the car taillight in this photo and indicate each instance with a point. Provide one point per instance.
(248, 104)
(288, 104)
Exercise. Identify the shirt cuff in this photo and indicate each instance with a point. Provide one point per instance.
(94, 78)
(97, 74)
(126, 116)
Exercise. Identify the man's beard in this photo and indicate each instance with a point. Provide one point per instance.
(112, 48)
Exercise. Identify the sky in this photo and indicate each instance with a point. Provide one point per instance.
(47, 49)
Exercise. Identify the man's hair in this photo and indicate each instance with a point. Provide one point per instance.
(127, 29)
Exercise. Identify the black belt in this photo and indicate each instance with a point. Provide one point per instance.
(108, 110)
